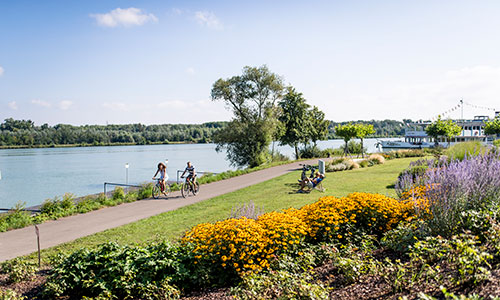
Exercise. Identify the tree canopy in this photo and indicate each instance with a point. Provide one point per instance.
(347, 132)
(492, 127)
(446, 128)
(362, 131)
(294, 117)
(251, 97)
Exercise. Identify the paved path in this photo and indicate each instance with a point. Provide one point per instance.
(20, 242)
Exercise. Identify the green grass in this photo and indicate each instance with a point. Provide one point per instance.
(275, 194)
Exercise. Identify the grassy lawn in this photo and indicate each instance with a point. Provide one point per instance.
(275, 194)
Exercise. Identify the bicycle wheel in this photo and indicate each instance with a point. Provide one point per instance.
(156, 192)
(167, 189)
(185, 190)
(196, 188)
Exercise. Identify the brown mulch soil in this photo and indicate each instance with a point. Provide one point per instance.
(30, 289)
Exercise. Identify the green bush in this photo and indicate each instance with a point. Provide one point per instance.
(280, 285)
(87, 204)
(145, 191)
(9, 294)
(121, 271)
(19, 270)
(16, 218)
(118, 194)
(461, 150)
(353, 147)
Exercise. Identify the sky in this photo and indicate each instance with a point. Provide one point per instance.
(154, 62)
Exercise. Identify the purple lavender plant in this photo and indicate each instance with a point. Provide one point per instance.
(248, 210)
(456, 186)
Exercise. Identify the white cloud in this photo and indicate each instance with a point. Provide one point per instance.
(124, 17)
(477, 85)
(207, 18)
(41, 103)
(12, 105)
(177, 11)
(1, 71)
(65, 104)
(190, 71)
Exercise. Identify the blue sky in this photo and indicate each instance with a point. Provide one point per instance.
(98, 62)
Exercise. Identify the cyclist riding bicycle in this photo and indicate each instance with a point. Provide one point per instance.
(162, 169)
(192, 173)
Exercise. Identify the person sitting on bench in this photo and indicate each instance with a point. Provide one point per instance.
(311, 182)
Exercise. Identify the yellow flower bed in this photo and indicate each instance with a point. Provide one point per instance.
(246, 244)
(333, 218)
(417, 196)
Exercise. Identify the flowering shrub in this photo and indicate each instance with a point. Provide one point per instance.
(332, 218)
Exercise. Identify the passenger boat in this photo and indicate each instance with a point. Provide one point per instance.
(417, 138)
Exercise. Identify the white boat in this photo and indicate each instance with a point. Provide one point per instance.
(417, 138)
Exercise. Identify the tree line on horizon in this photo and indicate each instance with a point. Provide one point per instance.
(24, 133)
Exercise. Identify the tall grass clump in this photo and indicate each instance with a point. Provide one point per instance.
(452, 187)
(461, 150)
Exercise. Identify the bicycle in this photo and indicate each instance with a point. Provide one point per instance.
(306, 168)
(157, 189)
(189, 186)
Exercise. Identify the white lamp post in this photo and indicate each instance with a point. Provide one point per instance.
(126, 175)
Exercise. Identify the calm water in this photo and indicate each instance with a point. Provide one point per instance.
(33, 175)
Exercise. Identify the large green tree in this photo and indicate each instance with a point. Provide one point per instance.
(295, 119)
(492, 127)
(362, 131)
(346, 132)
(319, 126)
(446, 128)
(251, 97)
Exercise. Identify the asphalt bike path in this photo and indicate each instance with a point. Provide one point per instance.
(23, 241)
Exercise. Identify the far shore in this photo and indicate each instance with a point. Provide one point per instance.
(130, 144)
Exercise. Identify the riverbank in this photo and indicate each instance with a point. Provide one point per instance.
(20, 241)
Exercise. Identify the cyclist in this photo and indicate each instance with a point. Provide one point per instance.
(192, 173)
(162, 169)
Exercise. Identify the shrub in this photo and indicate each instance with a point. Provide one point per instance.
(16, 218)
(280, 285)
(19, 270)
(145, 191)
(466, 149)
(353, 147)
(310, 152)
(87, 204)
(9, 294)
(120, 271)
(118, 194)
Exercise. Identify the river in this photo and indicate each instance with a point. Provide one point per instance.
(33, 175)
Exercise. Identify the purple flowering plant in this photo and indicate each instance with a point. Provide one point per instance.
(455, 186)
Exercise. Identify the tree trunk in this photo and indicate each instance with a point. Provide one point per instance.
(362, 150)
(296, 151)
